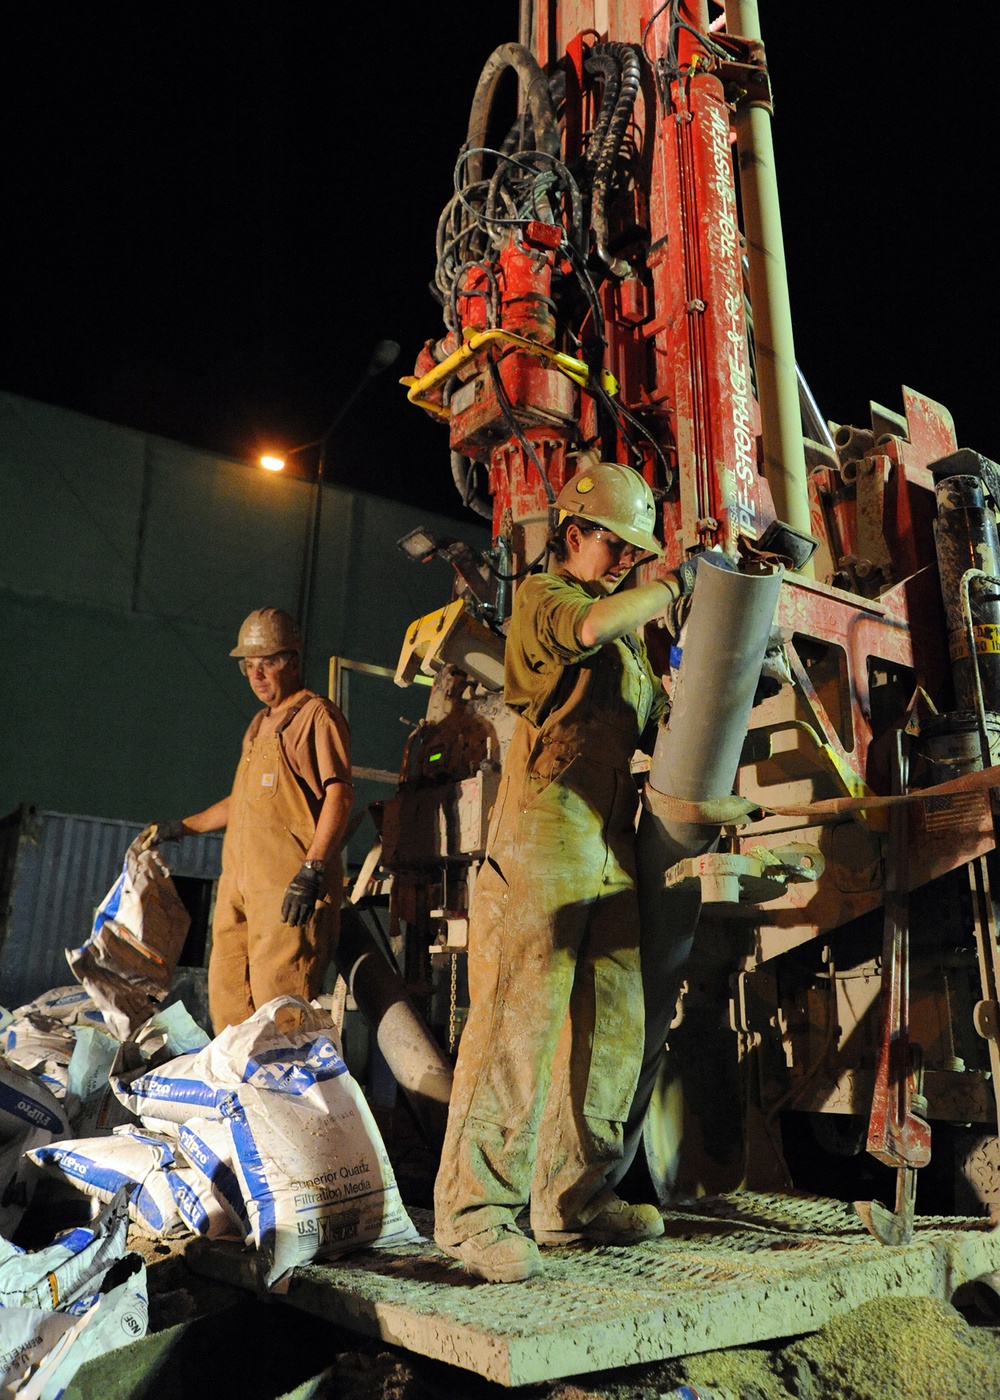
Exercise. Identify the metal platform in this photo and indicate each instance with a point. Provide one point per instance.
(730, 1270)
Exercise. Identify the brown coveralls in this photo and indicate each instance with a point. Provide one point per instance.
(272, 821)
(556, 1020)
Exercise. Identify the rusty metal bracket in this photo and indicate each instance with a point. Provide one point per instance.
(745, 78)
(898, 1133)
(751, 877)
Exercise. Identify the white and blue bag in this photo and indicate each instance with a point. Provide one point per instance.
(130, 1158)
(30, 1116)
(63, 1304)
(300, 1140)
(139, 930)
(73, 1006)
(208, 1149)
(116, 1316)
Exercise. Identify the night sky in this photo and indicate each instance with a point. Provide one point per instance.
(214, 211)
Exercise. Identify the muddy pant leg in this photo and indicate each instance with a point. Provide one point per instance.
(229, 998)
(595, 1072)
(286, 960)
(519, 990)
(668, 929)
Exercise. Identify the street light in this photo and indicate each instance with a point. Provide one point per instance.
(385, 353)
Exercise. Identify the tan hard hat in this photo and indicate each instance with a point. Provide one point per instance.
(616, 497)
(266, 631)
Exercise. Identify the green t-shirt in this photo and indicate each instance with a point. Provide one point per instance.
(547, 667)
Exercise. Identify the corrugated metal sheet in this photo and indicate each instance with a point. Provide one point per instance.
(54, 871)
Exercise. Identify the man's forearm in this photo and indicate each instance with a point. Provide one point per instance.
(213, 818)
(331, 824)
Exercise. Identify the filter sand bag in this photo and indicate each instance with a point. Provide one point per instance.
(312, 1169)
(70, 1005)
(30, 1116)
(46, 1294)
(118, 1315)
(26, 1103)
(68, 1270)
(139, 931)
(207, 1147)
(128, 1158)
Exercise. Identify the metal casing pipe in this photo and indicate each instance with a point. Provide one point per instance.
(696, 758)
(697, 755)
(418, 1063)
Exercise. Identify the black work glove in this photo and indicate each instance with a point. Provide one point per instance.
(299, 902)
(157, 832)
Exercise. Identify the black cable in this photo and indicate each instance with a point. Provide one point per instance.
(671, 65)
(607, 156)
(507, 409)
(492, 297)
(520, 573)
(602, 64)
(519, 162)
(579, 266)
(619, 411)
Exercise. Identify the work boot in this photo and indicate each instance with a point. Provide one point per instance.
(615, 1223)
(500, 1255)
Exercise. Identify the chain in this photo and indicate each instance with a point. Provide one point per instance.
(453, 1007)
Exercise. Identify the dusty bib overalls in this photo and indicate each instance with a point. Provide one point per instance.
(550, 1055)
(255, 956)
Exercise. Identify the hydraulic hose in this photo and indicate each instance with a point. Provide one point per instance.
(535, 87)
(608, 155)
(602, 64)
(475, 501)
(507, 409)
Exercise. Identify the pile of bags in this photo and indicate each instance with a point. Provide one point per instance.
(260, 1136)
(81, 1296)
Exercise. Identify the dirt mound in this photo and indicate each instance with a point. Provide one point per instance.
(894, 1349)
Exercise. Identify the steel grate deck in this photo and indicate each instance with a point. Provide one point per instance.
(731, 1270)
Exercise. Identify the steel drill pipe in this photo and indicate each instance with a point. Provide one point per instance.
(417, 1062)
(784, 458)
(697, 754)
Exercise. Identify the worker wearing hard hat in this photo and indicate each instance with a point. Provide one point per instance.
(278, 901)
(550, 1055)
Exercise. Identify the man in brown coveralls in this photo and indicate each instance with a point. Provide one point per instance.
(278, 902)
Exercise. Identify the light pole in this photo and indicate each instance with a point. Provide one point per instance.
(385, 353)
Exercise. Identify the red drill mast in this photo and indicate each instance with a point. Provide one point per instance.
(612, 285)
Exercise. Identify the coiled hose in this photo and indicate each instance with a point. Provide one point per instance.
(631, 70)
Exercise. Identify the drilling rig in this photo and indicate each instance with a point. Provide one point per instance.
(817, 839)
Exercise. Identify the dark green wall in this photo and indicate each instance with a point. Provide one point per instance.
(128, 564)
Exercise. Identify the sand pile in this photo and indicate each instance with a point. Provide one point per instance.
(893, 1349)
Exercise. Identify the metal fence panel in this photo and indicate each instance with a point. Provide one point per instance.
(54, 871)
